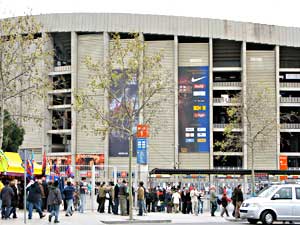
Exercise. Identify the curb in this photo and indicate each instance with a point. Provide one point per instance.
(235, 220)
(134, 221)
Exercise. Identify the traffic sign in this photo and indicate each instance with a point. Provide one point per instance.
(142, 131)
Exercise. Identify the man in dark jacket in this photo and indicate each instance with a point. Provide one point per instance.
(34, 199)
(116, 199)
(15, 199)
(122, 197)
(54, 200)
(69, 193)
(7, 194)
(239, 200)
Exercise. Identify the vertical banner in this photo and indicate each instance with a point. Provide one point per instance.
(142, 151)
(127, 92)
(283, 164)
(193, 109)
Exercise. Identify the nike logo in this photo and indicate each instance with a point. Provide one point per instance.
(197, 79)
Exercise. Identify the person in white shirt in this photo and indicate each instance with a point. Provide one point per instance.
(176, 200)
(194, 198)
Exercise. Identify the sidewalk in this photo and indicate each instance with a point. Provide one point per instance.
(94, 218)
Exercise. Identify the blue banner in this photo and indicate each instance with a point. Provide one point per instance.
(193, 109)
(142, 151)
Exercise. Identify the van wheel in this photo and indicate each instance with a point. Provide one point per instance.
(267, 217)
(252, 221)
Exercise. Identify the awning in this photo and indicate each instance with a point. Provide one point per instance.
(3, 162)
(14, 162)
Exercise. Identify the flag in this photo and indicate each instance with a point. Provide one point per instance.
(44, 163)
(29, 169)
(32, 163)
(68, 171)
(56, 169)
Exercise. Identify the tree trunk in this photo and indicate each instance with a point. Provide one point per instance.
(252, 173)
(1, 122)
(130, 177)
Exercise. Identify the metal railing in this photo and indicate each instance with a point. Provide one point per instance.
(289, 99)
(223, 125)
(290, 126)
(227, 84)
(289, 85)
(225, 100)
(62, 68)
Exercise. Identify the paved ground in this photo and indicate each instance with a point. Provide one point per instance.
(90, 218)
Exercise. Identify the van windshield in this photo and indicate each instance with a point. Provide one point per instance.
(267, 192)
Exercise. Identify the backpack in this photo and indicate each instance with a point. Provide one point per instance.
(219, 201)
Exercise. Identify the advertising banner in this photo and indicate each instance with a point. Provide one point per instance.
(90, 159)
(125, 93)
(193, 109)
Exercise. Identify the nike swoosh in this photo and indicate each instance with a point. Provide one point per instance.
(197, 79)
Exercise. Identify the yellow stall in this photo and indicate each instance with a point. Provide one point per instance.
(11, 163)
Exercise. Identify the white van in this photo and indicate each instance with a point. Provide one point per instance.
(275, 203)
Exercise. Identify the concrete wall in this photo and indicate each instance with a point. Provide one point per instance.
(87, 140)
(261, 79)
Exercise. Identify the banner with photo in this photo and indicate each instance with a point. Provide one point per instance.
(125, 92)
(89, 160)
(193, 109)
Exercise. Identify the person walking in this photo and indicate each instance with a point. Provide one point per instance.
(122, 197)
(34, 199)
(45, 187)
(239, 198)
(200, 201)
(110, 194)
(1, 187)
(116, 199)
(69, 194)
(224, 203)
(194, 198)
(176, 200)
(82, 192)
(54, 200)
(43, 195)
(102, 195)
(141, 198)
(184, 199)
(213, 200)
(6, 195)
(15, 199)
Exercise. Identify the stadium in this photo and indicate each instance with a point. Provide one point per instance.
(210, 61)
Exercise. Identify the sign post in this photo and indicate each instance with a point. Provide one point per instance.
(142, 151)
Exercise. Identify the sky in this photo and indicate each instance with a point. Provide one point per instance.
(273, 12)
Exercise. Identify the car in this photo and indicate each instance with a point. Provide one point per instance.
(274, 203)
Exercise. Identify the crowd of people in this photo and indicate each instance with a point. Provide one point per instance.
(170, 199)
(49, 196)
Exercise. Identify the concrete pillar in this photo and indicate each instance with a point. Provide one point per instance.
(74, 52)
(244, 92)
(106, 39)
(47, 123)
(277, 65)
(211, 108)
(176, 141)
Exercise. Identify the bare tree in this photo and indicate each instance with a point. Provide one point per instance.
(24, 61)
(126, 65)
(257, 122)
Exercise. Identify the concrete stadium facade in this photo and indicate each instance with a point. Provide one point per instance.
(237, 56)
